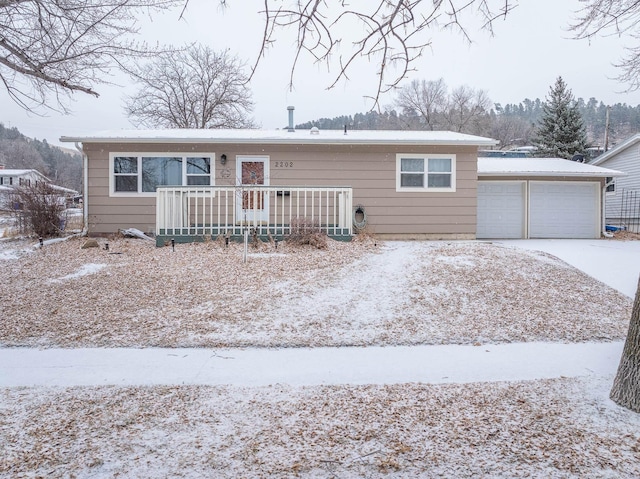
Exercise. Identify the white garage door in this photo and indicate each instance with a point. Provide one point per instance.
(564, 210)
(501, 209)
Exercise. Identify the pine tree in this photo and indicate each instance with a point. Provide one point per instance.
(560, 132)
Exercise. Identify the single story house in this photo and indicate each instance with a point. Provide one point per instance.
(189, 184)
(623, 193)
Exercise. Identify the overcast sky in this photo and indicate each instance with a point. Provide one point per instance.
(530, 49)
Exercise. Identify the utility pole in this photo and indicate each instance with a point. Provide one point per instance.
(606, 130)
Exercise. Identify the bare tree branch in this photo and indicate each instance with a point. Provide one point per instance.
(614, 17)
(50, 49)
(196, 88)
(394, 33)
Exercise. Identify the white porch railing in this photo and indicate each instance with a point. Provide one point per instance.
(228, 210)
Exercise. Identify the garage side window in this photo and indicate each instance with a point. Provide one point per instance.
(141, 174)
(425, 173)
(611, 184)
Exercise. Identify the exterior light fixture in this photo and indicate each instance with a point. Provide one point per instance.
(223, 159)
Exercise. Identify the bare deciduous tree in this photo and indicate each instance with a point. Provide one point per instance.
(426, 100)
(467, 110)
(195, 88)
(620, 17)
(50, 49)
(464, 109)
(511, 130)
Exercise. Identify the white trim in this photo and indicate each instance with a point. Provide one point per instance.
(425, 188)
(139, 155)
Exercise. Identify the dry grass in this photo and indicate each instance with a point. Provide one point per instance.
(550, 428)
(355, 293)
(359, 293)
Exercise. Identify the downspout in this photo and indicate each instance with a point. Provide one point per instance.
(605, 233)
(85, 189)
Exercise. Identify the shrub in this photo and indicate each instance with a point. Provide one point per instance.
(305, 231)
(38, 209)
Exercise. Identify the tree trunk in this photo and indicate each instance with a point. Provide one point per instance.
(626, 385)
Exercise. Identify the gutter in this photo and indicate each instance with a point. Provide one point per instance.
(85, 189)
(605, 233)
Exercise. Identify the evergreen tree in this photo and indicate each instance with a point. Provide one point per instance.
(560, 132)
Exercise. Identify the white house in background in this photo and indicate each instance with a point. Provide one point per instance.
(623, 193)
(11, 178)
(21, 177)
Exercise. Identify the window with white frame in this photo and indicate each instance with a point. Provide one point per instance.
(611, 184)
(433, 173)
(133, 174)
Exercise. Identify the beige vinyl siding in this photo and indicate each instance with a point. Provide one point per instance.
(369, 170)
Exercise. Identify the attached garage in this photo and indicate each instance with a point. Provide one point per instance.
(501, 209)
(560, 209)
(539, 198)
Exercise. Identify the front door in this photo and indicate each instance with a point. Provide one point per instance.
(252, 172)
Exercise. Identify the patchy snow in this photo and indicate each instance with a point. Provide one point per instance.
(84, 270)
(400, 293)
(553, 428)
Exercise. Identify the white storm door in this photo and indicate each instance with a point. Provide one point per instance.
(252, 202)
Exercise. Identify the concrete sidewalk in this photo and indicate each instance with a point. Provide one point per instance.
(306, 367)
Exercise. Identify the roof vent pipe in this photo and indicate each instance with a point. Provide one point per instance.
(291, 129)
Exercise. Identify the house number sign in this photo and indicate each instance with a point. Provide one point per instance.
(283, 164)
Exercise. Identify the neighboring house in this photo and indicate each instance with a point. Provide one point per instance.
(11, 178)
(189, 184)
(21, 177)
(623, 193)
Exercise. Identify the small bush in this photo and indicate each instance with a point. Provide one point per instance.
(38, 210)
(305, 231)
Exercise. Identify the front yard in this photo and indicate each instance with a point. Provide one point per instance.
(203, 295)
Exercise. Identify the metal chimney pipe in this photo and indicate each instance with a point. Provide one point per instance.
(291, 128)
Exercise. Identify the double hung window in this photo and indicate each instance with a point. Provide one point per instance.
(433, 173)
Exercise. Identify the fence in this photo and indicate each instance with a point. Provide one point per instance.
(189, 211)
(629, 218)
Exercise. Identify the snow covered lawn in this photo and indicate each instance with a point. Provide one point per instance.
(203, 295)
(556, 428)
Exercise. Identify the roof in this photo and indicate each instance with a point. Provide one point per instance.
(541, 167)
(614, 151)
(20, 172)
(278, 137)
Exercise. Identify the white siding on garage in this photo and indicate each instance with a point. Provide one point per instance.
(564, 209)
(501, 209)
